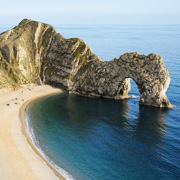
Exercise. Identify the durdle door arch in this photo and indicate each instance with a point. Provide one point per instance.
(148, 72)
(35, 52)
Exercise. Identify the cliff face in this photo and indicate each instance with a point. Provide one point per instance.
(35, 52)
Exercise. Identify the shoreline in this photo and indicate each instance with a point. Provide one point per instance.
(19, 158)
(22, 112)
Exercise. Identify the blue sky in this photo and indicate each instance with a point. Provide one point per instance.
(91, 12)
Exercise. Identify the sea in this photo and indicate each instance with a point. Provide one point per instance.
(102, 139)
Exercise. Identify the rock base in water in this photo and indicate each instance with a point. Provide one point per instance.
(36, 52)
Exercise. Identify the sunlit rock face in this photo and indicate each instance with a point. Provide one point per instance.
(35, 52)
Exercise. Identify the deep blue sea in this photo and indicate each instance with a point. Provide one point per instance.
(101, 139)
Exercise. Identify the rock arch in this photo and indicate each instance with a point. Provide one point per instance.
(150, 75)
(85, 73)
(148, 72)
(34, 51)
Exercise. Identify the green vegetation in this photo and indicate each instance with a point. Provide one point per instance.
(18, 29)
(46, 37)
(73, 78)
(84, 67)
(80, 49)
(9, 72)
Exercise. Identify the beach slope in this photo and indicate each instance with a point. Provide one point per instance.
(19, 160)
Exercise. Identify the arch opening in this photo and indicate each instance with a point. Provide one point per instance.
(134, 91)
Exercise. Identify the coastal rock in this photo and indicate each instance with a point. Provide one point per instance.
(35, 52)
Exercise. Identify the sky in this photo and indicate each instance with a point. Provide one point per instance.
(91, 12)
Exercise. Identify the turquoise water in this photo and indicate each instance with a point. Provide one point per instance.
(100, 139)
(107, 139)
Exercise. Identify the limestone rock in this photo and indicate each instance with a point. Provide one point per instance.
(35, 52)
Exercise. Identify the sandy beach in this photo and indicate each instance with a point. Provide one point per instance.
(19, 159)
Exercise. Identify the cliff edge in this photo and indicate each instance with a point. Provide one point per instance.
(34, 52)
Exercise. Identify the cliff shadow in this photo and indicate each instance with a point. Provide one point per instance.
(151, 125)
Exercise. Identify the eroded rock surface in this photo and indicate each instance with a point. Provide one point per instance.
(35, 52)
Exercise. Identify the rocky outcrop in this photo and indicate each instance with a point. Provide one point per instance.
(36, 52)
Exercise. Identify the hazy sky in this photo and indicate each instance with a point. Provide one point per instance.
(91, 12)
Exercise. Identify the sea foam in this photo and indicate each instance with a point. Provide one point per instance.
(36, 144)
(134, 96)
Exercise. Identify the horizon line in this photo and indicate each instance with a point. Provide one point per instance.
(91, 24)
